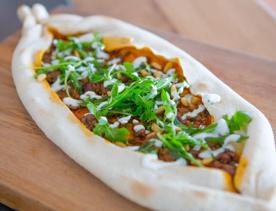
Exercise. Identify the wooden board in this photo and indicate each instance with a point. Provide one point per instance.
(36, 175)
(236, 24)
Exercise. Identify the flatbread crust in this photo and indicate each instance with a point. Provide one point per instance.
(164, 188)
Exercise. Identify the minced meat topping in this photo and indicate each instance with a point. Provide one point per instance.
(133, 97)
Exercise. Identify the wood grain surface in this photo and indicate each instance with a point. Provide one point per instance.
(236, 24)
(36, 175)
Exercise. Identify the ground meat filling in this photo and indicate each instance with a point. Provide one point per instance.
(98, 88)
(186, 103)
(226, 161)
(89, 121)
(165, 155)
(52, 76)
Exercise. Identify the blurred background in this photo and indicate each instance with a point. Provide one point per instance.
(247, 26)
(242, 25)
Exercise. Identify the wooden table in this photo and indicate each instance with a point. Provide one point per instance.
(236, 24)
(36, 175)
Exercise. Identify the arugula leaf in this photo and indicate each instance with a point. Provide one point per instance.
(169, 106)
(192, 130)
(239, 121)
(221, 139)
(91, 107)
(148, 147)
(177, 148)
(133, 99)
(74, 78)
(163, 83)
(102, 128)
(130, 71)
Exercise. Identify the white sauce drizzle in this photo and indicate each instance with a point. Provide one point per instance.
(231, 138)
(86, 37)
(121, 87)
(204, 135)
(210, 153)
(124, 120)
(56, 86)
(188, 97)
(170, 72)
(211, 99)
(193, 113)
(151, 161)
(137, 128)
(102, 104)
(101, 54)
(170, 115)
(153, 92)
(135, 121)
(115, 125)
(181, 86)
(138, 61)
(71, 102)
(103, 118)
(71, 58)
(91, 95)
(132, 148)
(222, 127)
(157, 142)
(114, 61)
(135, 74)
(109, 82)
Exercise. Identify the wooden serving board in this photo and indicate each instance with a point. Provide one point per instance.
(37, 175)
